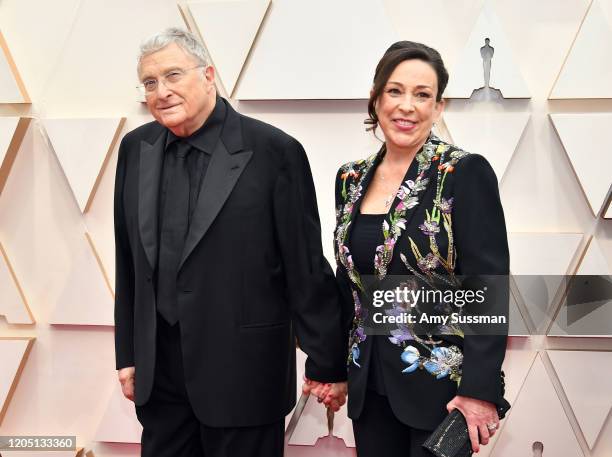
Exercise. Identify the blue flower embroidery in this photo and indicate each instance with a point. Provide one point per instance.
(412, 357)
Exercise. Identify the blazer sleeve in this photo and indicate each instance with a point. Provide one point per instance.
(124, 272)
(312, 291)
(482, 251)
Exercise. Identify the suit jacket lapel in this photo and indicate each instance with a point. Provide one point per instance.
(151, 161)
(221, 177)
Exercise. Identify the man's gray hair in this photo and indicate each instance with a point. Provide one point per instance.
(183, 38)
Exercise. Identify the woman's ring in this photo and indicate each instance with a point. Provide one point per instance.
(492, 427)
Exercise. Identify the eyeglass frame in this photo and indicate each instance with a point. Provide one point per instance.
(143, 90)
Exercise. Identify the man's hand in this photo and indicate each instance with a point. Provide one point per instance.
(481, 417)
(126, 378)
(333, 396)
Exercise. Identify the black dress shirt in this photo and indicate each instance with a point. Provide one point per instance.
(191, 155)
(202, 143)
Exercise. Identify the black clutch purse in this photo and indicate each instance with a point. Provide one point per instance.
(451, 438)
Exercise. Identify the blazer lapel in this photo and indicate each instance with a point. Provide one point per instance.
(365, 183)
(429, 174)
(405, 204)
(151, 160)
(221, 177)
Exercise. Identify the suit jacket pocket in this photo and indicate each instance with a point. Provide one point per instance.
(264, 325)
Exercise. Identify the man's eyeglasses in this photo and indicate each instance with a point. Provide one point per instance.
(170, 79)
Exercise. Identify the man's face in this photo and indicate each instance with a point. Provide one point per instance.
(185, 105)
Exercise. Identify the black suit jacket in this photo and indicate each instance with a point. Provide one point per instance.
(252, 275)
(470, 226)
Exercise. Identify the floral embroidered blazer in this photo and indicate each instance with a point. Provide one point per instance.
(445, 221)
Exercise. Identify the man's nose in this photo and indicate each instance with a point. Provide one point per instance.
(162, 90)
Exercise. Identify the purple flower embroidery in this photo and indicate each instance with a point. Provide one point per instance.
(428, 263)
(360, 334)
(429, 228)
(400, 335)
(446, 206)
(411, 202)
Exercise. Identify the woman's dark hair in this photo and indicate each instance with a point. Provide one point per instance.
(396, 54)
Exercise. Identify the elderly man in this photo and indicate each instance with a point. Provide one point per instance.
(219, 268)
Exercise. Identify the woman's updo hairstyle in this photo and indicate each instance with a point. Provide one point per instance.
(396, 54)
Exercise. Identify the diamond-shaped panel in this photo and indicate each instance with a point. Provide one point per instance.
(590, 396)
(335, 57)
(12, 89)
(83, 147)
(587, 146)
(7, 130)
(517, 364)
(587, 70)
(469, 72)
(87, 298)
(119, 423)
(517, 324)
(587, 309)
(493, 135)
(538, 263)
(12, 131)
(446, 16)
(13, 303)
(537, 415)
(228, 46)
(13, 356)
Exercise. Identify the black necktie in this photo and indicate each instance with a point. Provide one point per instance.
(174, 226)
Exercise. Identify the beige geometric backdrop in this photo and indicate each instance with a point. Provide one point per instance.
(67, 96)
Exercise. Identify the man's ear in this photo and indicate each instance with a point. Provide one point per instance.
(209, 74)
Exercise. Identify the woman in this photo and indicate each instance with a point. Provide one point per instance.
(424, 207)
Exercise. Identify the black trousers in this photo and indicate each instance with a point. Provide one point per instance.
(378, 433)
(171, 429)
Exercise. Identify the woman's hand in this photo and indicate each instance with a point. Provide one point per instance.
(481, 417)
(332, 395)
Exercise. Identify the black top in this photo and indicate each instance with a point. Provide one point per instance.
(365, 237)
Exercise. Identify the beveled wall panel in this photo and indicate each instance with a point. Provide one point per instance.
(307, 68)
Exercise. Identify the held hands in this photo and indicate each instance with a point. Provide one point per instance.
(481, 417)
(126, 378)
(333, 396)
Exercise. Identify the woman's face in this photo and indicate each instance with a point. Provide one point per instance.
(407, 106)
